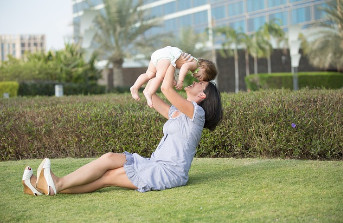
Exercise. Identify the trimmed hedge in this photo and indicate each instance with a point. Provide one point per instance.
(47, 88)
(306, 124)
(311, 80)
(10, 87)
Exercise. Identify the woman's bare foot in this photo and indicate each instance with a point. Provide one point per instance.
(148, 97)
(134, 93)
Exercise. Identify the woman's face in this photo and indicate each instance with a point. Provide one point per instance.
(196, 88)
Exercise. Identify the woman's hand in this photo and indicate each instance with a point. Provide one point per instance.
(186, 57)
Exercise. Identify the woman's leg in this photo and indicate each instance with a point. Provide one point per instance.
(155, 82)
(142, 79)
(116, 177)
(90, 172)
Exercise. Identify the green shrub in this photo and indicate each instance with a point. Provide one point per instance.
(311, 80)
(47, 88)
(10, 87)
(255, 124)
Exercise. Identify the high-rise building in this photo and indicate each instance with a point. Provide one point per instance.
(17, 45)
(245, 15)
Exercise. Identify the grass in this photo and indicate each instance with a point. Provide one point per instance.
(219, 190)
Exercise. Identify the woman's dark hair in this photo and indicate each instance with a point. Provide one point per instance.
(213, 106)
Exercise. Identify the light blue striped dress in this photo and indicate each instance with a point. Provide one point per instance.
(168, 166)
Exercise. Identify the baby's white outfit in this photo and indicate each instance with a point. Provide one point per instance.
(168, 52)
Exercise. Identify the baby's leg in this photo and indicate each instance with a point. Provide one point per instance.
(142, 79)
(155, 83)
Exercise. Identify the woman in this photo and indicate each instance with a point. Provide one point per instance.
(168, 166)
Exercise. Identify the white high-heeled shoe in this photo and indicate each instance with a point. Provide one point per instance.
(26, 181)
(44, 178)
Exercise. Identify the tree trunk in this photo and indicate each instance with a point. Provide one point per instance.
(118, 79)
(236, 73)
(269, 65)
(109, 79)
(247, 70)
(255, 65)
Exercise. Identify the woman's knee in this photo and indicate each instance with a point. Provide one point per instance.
(116, 159)
(106, 156)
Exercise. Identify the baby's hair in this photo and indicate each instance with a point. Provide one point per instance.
(210, 69)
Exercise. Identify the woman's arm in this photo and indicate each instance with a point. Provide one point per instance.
(183, 105)
(160, 106)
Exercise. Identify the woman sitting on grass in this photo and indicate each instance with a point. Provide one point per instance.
(168, 166)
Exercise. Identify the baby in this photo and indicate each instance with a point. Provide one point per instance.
(161, 60)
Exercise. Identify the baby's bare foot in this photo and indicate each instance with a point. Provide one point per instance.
(134, 93)
(148, 98)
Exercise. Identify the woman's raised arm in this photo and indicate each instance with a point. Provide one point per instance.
(160, 106)
(167, 88)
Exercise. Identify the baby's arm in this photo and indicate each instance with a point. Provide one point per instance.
(183, 72)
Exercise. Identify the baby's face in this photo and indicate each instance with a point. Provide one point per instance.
(200, 74)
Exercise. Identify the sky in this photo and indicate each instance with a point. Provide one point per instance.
(50, 17)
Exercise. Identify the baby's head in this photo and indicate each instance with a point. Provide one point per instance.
(207, 70)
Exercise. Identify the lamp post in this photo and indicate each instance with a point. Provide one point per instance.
(294, 45)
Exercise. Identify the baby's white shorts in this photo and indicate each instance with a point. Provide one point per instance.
(168, 52)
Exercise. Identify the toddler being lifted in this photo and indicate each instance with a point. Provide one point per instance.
(169, 57)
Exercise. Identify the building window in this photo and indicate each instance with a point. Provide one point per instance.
(96, 2)
(253, 5)
(218, 12)
(236, 8)
(78, 7)
(157, 11)
(169, 25)
(183, 4)
(239, 26)
(185, 20)
(200, 18)
(318, 11)
(199, 2)
(200, 30)
(280, 18)
(170, 8)
(300, 15)
(273, 3)
(255, 23)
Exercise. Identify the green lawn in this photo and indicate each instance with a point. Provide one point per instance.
(219, 190)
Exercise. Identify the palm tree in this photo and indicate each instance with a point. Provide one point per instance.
(269, 30)
(326, 49)
(119, 31)
(259, 46)
(230, 45)
(247, 40)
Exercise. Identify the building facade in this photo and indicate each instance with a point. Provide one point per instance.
(17, 45)
(244, 15)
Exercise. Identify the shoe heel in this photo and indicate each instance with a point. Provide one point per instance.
(27, 190)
